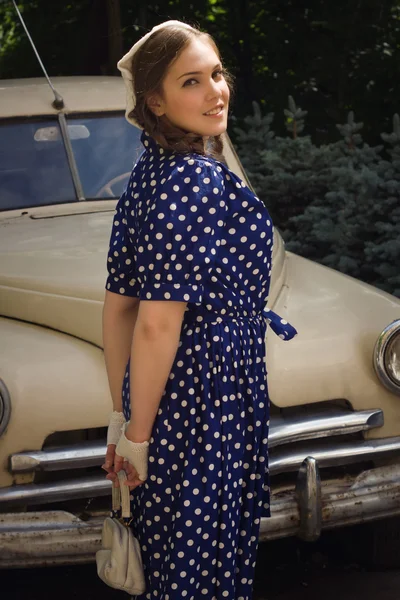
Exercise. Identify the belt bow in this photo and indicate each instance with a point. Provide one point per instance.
(282, 328)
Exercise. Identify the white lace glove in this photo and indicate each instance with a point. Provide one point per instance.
(117, 420)
(136, 453)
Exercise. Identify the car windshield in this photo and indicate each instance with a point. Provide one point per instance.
(33, 165)
(105, 149)
(34, 169)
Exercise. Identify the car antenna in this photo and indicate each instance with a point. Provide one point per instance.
(58, 101)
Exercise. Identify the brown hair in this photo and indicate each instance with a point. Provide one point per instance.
(149, 67)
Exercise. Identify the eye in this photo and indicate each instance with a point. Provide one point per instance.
(218, 73)
(188, 82)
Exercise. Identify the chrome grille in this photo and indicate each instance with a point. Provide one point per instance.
(332, 433)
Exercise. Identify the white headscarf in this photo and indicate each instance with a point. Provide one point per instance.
(124, 65)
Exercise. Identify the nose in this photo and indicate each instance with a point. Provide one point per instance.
(213, 90)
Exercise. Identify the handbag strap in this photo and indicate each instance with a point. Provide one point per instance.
(121, 497)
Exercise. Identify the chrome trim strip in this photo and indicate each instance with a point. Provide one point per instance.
(5, 407)
(66, 539)
(290, 459)
(379, 356)
(324, 424)
(79, 456)
(45, 493)
(282, 431)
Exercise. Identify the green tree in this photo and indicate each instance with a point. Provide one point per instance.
(338, 203)
(287, 172)
(383, 253)
(332, 57)
(72, 38)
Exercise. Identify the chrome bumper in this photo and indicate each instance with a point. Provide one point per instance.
(58, 537)
(300, 442)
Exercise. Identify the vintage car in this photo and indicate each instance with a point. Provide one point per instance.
(335, 388)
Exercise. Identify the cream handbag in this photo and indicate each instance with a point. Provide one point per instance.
(119, 562)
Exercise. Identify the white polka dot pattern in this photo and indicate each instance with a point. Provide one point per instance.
(164, 249)
(196, 233)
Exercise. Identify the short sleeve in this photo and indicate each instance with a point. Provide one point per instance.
(178, 244)
(120, 258)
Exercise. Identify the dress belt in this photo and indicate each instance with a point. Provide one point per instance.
(279, 326)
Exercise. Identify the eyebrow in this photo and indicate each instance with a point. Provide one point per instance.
(197, 72)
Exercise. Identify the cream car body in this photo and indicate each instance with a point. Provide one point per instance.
(54, 398)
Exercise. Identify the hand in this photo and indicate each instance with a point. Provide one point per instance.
(109, 465)
(132, 457)
(115, 463)
(132, 477)
(117, 420)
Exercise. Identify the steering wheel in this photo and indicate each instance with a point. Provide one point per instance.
(107, 187)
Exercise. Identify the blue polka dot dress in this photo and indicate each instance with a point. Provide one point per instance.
(188, 229)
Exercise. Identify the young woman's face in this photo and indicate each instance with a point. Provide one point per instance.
(193, 86)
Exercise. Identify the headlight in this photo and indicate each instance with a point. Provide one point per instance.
(5, 407)
(387, 357)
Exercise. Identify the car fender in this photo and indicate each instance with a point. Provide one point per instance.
(56, 382)
(338, 319)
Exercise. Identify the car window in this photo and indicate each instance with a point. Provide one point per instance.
(34, 168)
(105, 149)
(33, 165)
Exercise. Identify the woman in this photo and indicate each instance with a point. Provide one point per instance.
(184, 329)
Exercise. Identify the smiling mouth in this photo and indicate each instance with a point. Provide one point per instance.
(214, 111)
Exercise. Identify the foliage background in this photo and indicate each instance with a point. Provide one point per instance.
(332, 187)
(331, 56)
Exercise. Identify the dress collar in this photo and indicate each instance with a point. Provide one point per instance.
(150, 143)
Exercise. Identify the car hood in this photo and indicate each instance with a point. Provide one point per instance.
(53, 267)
